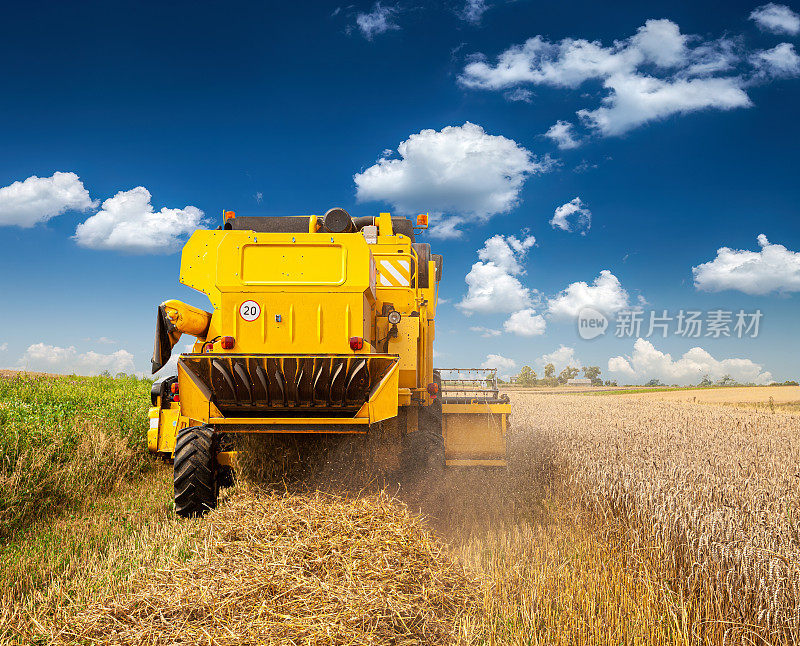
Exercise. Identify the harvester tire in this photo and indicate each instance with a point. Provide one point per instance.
(423, 450)
(195, 472)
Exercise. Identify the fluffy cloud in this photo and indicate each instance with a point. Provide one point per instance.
(773, 269)
(572, 216)
(637, 99)
(377, 21)
(492, 283)
(38, 199)
(127, 222)
(563, 134)
(779, 62)
(41, 357)
(561, 358)
(3, 346)
(485, 332)
(648, 363)
(473, 10)
(776, 18)
(504, 365)
(605, 294)
(572, 61)
(459, 173)
(525, 323)
(656, 73)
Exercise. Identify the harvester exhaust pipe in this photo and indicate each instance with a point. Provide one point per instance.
(337, 220)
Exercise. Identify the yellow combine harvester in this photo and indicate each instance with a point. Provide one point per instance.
(320, 325)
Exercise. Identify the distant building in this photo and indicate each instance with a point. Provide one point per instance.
(579, 382)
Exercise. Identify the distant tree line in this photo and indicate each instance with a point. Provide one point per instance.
(527, 377)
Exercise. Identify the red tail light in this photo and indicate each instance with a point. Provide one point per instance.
(356, 343)
(174, 388)
(433, 389)
(227, 342)
(176, 398)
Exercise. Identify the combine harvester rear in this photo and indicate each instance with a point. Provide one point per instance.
(319, 326)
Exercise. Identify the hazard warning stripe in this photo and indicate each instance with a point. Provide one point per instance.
(395, 272)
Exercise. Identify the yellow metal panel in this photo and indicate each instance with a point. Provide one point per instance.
(168, 428)
(476, 408)
(277, 422)
(293, 264)
(199, 264)
(475, 431)
(385, 224)
(406, 345)
(194, 395)
(259, 262)
(313, 324)
(382, 403)
(152, 433)
(476, 463)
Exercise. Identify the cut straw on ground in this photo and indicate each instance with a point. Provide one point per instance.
(287, 568)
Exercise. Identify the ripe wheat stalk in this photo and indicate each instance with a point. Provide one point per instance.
(710, 496)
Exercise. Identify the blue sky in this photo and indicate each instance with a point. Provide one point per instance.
(677, 132)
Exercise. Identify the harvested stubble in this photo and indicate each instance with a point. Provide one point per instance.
(291, 568)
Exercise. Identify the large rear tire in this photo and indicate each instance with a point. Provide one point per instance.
(195, 472)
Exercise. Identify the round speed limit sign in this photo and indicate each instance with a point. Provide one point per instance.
(249, 310)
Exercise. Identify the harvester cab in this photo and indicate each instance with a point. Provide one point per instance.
(318, 325)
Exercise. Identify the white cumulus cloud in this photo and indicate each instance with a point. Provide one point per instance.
(561, 358)
(504, 365)
(38, 199)
(776, 18)
(563, 134)
(3, 346)
(605, 294)
(492, 282)
(648, 363)
(127, 222)
(525, 323)
(572, 216)
(459, 173)
(656, 73)
(42, 357)
(772, 269)
(779, 62)
(573, 61)
(637, 99)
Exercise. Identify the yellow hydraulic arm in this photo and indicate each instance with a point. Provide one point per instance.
(173, 319)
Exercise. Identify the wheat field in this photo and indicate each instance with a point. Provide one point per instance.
(701, 502)
(623, 519)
